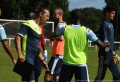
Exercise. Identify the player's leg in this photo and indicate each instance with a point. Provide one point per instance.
(57, 69)
(55, 78)
(66, 73)
(81, 74)
(49, 73)
(29, 79)
(47, 77)
(102, 67)
(38, 68)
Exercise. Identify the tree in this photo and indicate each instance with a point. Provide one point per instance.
(91, 18)
(18, 9)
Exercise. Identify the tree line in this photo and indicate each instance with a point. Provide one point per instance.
(91, 17)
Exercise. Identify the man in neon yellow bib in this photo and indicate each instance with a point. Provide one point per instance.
(76, 49)
(27, 40)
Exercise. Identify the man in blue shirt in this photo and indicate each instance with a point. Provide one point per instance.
(106, 33)
(27, 40)
(76, 49)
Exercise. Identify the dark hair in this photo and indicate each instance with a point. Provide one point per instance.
(108, 9)
(31, 15)
(75, 14)
(41, 10)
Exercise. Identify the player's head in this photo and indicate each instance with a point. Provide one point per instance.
(109, 12)
(75, 16)
(57, 14)
(31, 15)
(43, 14)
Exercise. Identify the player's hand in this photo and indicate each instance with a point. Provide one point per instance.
(52, 36)
(116, 59)
(45, 55)
(44, 65)
(21, 59)
(14, 61)
(108, 44)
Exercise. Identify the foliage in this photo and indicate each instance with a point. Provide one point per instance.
(18, 9)
(91, 18)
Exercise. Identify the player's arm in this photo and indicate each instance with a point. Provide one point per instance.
(44, 64)
(57, 33)
(22, 31)
(43, 44)
(8, 50)
(91, 36)
(18, 48)
(60, 38)
(101, 44)
(60, 26)
(6, 45)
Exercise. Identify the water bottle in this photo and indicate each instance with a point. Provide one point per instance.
(107, 48)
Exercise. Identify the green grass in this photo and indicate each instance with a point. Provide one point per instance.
(7, 75)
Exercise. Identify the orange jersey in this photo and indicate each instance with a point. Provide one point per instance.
(58, 46)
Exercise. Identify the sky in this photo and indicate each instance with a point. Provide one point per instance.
(98, 4)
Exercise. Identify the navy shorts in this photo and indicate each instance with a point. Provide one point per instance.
(54, 65)
(36, 72)
(67, 71)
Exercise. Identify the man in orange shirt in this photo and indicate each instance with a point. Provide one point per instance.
(55, 62)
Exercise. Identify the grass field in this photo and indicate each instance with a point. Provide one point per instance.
(7, 75)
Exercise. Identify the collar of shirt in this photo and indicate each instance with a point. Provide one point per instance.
(37, 26)
(76, 26)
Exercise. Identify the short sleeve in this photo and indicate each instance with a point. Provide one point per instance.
(2, 34)
(60, 29)
(23, 30)
(91, 35)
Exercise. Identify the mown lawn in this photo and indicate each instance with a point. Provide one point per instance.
(7, 75)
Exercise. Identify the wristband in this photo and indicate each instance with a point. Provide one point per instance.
(45, 51)
(113, 52)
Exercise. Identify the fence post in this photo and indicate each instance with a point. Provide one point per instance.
(95, 47)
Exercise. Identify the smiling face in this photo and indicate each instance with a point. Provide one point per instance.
(44, 16)
(110, 15)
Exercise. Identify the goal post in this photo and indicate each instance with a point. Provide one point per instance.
(12, 26)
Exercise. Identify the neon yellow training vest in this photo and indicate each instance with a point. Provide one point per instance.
(31, 24)
(76, 45)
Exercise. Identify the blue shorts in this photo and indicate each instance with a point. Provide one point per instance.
(67, 71)
(54, 65)
(36, 72)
